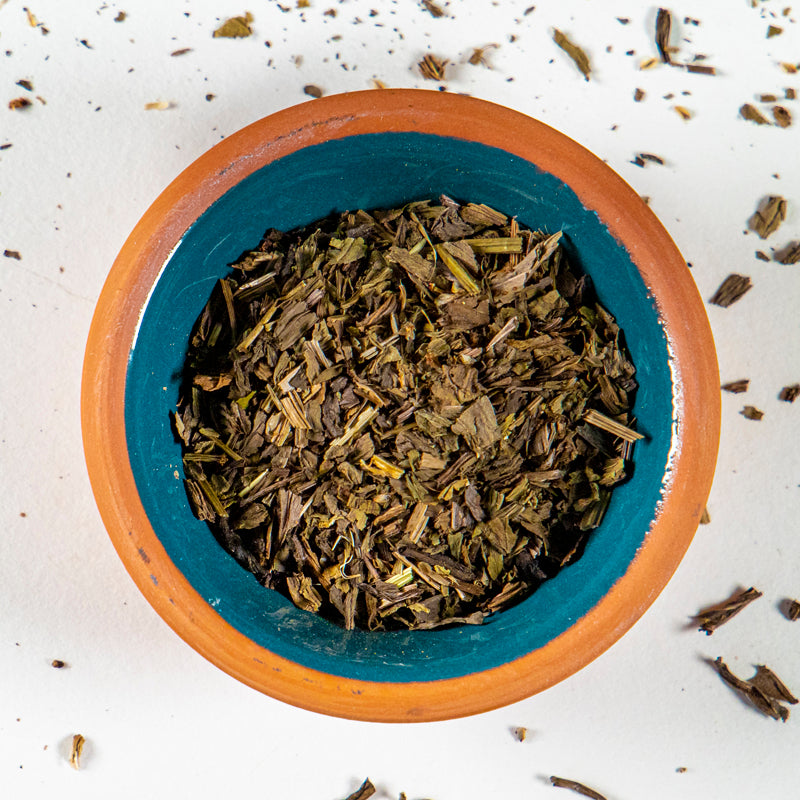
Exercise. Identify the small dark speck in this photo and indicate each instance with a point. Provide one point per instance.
(23, 514)
(57, 663)
(210, 97)
(154, 579)
(12, 254)
(143, 555)
(85, 44)
(689, 264)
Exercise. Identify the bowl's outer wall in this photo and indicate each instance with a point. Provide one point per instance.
(694, 393)
(369, 171)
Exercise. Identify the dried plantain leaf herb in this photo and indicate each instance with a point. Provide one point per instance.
(764, 691)
(433, 68)
(791, 609)
(790, 393)
(774, 30)
(57, 663)
(312, 91)
(712, 617)
(768, 216)
(565, 783)
(478, 55)
(751, 113)
(736, 387)
(700, 69)
(638, 95)
(578, 56)
(434, 9)
(683, 112)
(782, 116)
(78, 742)
(366, 790)
(751, 412)
(235, 27)
(19, 103)
(663, 29)
(519, 734)
(705, 517)
(405, 418)
(731, 290)
(789, 254)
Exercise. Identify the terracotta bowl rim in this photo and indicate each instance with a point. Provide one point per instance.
(695, 380)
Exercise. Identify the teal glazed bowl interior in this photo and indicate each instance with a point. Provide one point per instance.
(386, 164)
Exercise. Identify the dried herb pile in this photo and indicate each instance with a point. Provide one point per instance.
(405, 418)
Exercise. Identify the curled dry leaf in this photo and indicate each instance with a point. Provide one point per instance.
(789, 254)
(751, 412)
(579, 788)
(791, 610)
(433, 68)
(578, 56)
(76, 750)
(790, 393)
(768, 216)
(663, 29)
(365, 791)
(731, 290)
(736, 387)
(764, 691)
(712, 617)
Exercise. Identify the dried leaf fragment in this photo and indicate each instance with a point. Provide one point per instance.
(768, 216)
(78, 742)
(789, 254)
(751, 113)
(181, 52)
(705, 517)
(701, 69)
(312, 91)
(683, 112)
(432, 67)
(580, 788)
(712, 617)
(158, 105)
(782, 116)
(774, 30)
(790, 393)
(18, 103)
(366, 790)
(638, 95)
(792, 610)
(751, 412)
(764, 691)
(12, 254)
(235, 27)
(57, 663)
(478, 55)
(663, 29)
(120, 17)
(433, 8)
(736, 387)
(519, 733)
(731, 290)
(577, 55)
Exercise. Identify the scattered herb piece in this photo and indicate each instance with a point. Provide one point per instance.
(712, 617)
(642, 158)
(782, 116)
(578, 56)
(680, 769)
(731, 290)
(78, 742)
(751, 412)
(392, 416)
(751, 113)
(648, 63)
(705, 517)
(791, 608)
(6, 146)
(235, 27)
(623, 20)
(433, 8)
(12, 254)
(663, 29)
(57, 663)
(478, 55)
(182, 52)
(767, 98)
(18, 103)
(519, 733)
(312, 91)
(736, 387)
(789, 254)
(774, 30)
(790, 68)
(762, 256)
(363, 792)
(210, 97)
(790, 94)
(433, 68)
(683, 112)
(25, 84)
(764, 691)
(638, 95)
(564, 783)
(120, 17)
(158, 105)
(700, 69)
(768, 216)
(376, 84)
(790, 393)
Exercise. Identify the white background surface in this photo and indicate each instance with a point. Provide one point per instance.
(160, 720)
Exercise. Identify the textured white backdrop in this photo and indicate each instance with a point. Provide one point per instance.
(82, 169)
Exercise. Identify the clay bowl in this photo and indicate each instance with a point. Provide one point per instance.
(381, 149)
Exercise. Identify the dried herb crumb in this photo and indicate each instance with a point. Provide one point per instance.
(182, 52)
(705, 517)
(700, 69)
(6, 146)
(19, 103)
(57, 663)
(731, 290)
(762, 256)
(519, 733)
(768, 217)
(235, 27)
(25, 84)
(791, 69)
(782, 116)
(790, 254)
(736, 387)
(774, 30)
(210, 97)
(478, 55)
(580, 788)
(663, 29)
(638, 95)
(711, 617)
(433, 68)
(683, 112)
(791, 609)
(751, 412)
(312, 91)
(120, 17)
(752, 114)
(158, 105)
(790, 93)
(790, 393)
(366, 790)
(764, 691)
(78, 741)
(12, 254)
(680, 769)
(434, 9)
(577, 54)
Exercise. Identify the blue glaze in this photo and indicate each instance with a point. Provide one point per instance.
(370, 171)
